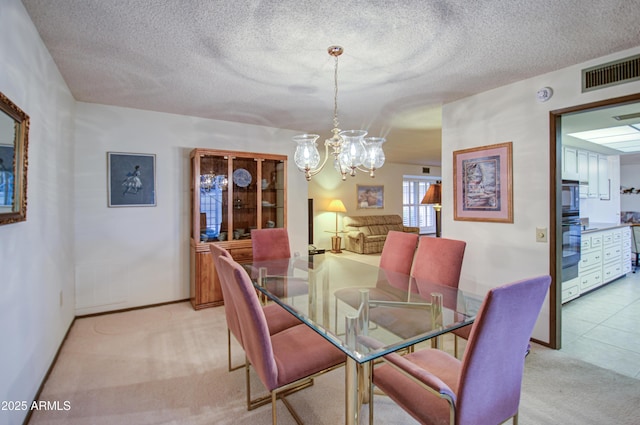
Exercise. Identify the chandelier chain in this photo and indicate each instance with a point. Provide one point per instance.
(335, 93)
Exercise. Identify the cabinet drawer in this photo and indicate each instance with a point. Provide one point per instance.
(590, 280)
(607, 238)
(595, 241)
(590, 259)
(585, 242)
(612, 253)
(617, 236)
(241, 254)
(612, 271)
(570, 290)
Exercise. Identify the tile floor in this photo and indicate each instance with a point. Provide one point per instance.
(602, 327)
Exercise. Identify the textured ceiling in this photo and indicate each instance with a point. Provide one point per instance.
(265, 62)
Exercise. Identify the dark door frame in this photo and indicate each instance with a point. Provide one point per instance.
(555, 180)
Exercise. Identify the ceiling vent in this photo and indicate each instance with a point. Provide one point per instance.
(611, 74)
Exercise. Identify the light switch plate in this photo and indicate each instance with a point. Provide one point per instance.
(541, 234)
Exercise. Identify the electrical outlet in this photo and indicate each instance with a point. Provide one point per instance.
(541, 234)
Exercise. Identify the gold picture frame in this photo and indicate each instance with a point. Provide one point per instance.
(14, 142)
(483, 183)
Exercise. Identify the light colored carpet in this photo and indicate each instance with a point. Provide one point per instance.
(168, 365)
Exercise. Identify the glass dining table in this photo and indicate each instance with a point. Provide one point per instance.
(364, 310)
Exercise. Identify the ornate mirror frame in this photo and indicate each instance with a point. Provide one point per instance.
(14, 140)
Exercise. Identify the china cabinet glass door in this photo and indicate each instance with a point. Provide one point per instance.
(245, 198)
(214, 183)
(273, 193)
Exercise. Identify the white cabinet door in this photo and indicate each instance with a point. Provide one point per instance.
(569, 163)
(593, 175)
(603, 178)
(583, 173)
(583, 166)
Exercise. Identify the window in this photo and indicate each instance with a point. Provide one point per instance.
(413, 212)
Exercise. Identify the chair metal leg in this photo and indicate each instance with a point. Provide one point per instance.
(371, 396)
(231, 368)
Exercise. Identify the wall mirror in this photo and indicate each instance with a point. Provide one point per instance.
(14, 137)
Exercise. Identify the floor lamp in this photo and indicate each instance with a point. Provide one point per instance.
(434, 197)
(336, 241)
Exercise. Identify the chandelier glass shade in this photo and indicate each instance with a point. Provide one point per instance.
(350, 150)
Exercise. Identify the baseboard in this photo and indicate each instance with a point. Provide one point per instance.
(122, 310)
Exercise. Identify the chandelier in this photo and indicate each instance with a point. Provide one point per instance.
(350, 149)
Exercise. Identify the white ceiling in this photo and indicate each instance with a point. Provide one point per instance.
(265, 62)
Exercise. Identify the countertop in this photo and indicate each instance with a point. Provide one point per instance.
(596, 227)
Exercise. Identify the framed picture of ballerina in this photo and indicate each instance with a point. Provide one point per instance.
(483, 183)
(131, 179)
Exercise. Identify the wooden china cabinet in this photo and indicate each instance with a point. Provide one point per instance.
(231, 194)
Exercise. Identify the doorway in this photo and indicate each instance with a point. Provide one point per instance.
(555, 248)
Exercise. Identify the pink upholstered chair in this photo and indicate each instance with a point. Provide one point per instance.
(484, 388)
(284, 361)
(273, 244)
(278, 319)
(395, 261)
(439, 261)
(270, 244)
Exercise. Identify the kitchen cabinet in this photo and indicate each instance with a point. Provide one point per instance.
(569, 163)
(605, 256)
(232, 193)
(590, 267)
(603, 178)
(593, 175)
(590, 169)
(583, 173)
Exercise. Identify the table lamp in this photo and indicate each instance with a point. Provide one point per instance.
(336, 241)
(434, 197)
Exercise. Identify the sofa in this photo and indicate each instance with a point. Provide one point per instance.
(366, 234)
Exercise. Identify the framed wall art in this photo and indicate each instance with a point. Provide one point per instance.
(14, 141)
(483, 183)
(131, 179)
(369, 196)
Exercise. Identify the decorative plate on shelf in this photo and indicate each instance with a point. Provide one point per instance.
(242, 177)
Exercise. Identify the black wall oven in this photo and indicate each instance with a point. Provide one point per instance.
(571, 229)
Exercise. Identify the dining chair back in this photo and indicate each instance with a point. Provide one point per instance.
(270, 244)
(395, 265)
(484, 387)
(398, 250)
(493, 364)
(283, 361)
(438, 260)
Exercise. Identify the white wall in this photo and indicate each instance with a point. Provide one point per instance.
(132, 256)
(498, 253)
(630, 177)
(36, 256)
(328, 185)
